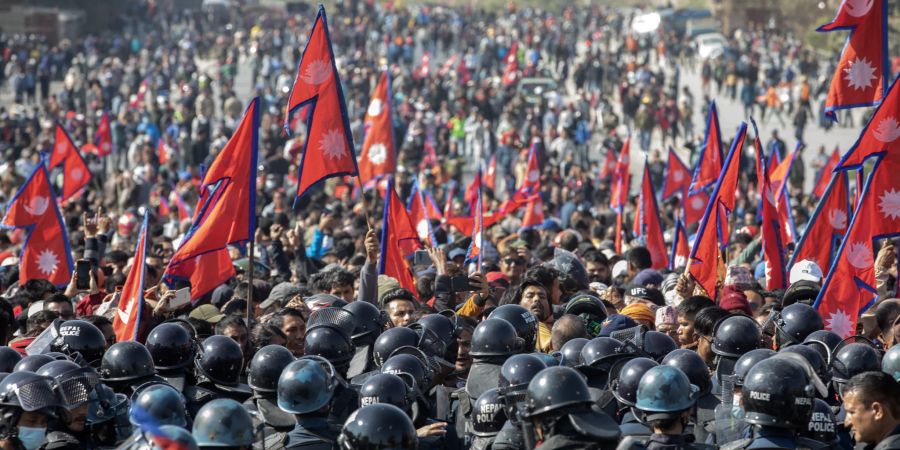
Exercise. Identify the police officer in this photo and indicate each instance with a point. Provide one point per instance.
(107, 423)
(127, 365)
(851, 359)
(212, 430)
(493, 341)
(26, 402)
(624, 388)
(733, 336)
(521, 319)
(157, 403)
(172, 348)
(378, 426)
(76, 383)
(822, 427)
(32, 363)
(657, 345)
(218, 370)
(692, 365)
(488, 418)
(262, 376)
(559, 412)
(8, 359)
(778, 400)
(328, 335)
(729, 421)
(82, 338)
(515, 374)
(368, 322)
(305, 389)
(890, 362)
(570, 353)
(664, 400)
(794, 323)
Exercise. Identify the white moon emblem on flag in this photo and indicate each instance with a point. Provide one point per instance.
(77, 174)
(859, 255)
(697, 203)
(888, 130)
(316, 72)
(837, 218)
(375, 107)
(333, 144)
(37, 206)
(61, 148)
(377, 153)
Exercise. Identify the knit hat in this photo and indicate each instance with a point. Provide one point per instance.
(667, 315)
(386, 284)
(639, 312)
(733, 298)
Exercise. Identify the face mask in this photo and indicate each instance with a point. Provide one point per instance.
(31, 437)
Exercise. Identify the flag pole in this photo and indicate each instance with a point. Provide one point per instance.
(250, 267)
(365, 203)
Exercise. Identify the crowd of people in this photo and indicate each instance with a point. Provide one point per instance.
(562, 339)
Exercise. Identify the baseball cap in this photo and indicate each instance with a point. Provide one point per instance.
(455, 253)
(805, 270)
(206, 313)
(651, 295)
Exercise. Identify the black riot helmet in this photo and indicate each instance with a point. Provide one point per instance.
(602, 352)
(126, 361)
(329, 343)
(795, 322)
(266, 367)
(28, 391)
(825, 342)
(378, 427)
(161, 403)
(777, 393)
(75, 383)
(9, 357)
(524, 322)
(391, 340)
(734, 336)
(368, 322)
(306, 385)
(210, 429)
(220, 359)
(815, 360)
(171, 346)
(445, 330)
(78, 336)
(406, 363)
(495, 338)
(625, 386)
(518, 370)
(571, 352)
(387, 388)
(554, 390)
(852, 359)
(692, 364)
(488, 414)
(890, 362)
(657, 345)
(822, 426)
(32, 363)
(747, 361)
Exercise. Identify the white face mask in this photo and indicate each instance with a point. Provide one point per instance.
(31, 437)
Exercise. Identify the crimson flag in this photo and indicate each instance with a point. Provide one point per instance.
(694, 206)
(826, 174)
(709, 164)
(419, 214)
(880, 133)
(534, 213)
(650, 227)
(378, 156)
(621, 178)
(706, 254)
(490, 177)
(103, 136)
(678, 177)
(473, 255)
(76, 174)
(681, 249)
(511, 71)
(127, 320)
(226, 211)
(827, 224)
(397, 232)
(772, 244)
(328, 128)
(45, 252)
(862, 72)
(609, 165)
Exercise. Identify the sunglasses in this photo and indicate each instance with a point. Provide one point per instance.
(511, 261)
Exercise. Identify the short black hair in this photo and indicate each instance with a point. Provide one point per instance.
(640, 258)
(340, 277)
(693, 305)
(569, 240)
(97, 321)
(595, 256)
(705, 321)
(45, 316)
(876, 386)
(398, 294)
(264, 333)
(543, 275)
(277, 319)
(886, 313)
(57, 298)
(231, 320)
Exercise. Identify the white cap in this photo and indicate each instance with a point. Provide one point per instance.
(619, 268)
(805, 270)
(35, 308)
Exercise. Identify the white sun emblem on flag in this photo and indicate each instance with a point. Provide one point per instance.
(61, 148)
(839, 322)
(316, 72)
(333, 144)
(678, 176)
(859, 255)
(422, 229)
(77, 174)
(47, 262)
(375, 107)
(837, 218)
(860, 74)
(889, 203)
(377, 153)
(888, 130)
(533, 176)
(37, 206)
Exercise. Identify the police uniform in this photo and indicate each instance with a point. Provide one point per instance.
(312, 433)
(273, 423)
(631, 426)
(769, 438)
(509, 437)
(344, 402)
(658, 441)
